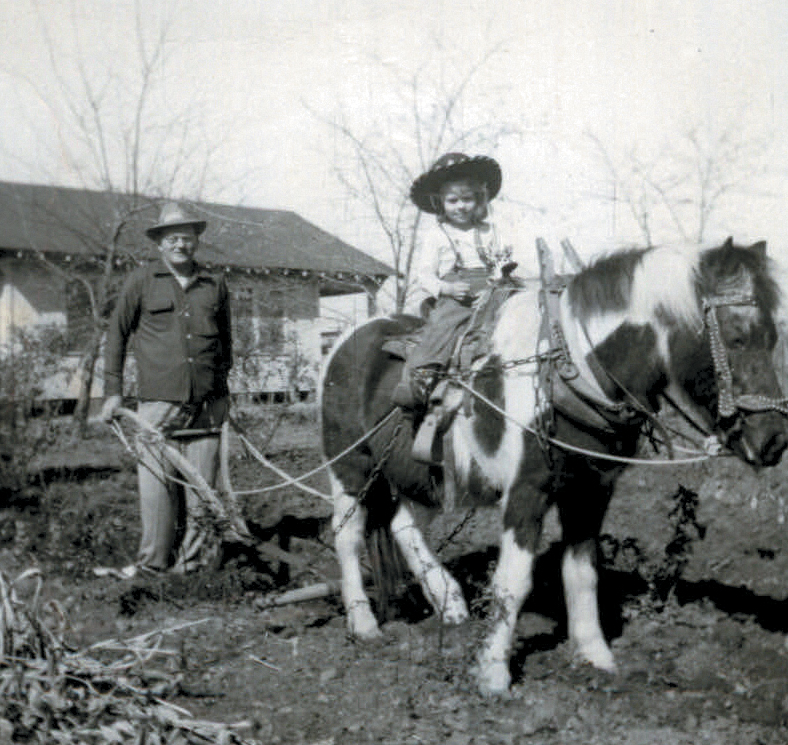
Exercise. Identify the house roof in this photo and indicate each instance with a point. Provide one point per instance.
(76, 222)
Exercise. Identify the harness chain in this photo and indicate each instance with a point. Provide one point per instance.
(544, 421)
(296, 480)
(374, 473)
(456, 530)
(556, 358)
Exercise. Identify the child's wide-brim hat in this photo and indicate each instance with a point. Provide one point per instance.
(425, 191)
(173, 215)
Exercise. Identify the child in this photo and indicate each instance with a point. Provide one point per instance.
(459, 257)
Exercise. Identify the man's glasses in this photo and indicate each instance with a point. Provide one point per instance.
(175, 240)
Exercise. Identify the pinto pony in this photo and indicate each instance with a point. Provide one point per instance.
(691, 325)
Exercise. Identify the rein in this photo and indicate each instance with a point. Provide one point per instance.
(158, 437)
(297, 480)
(711, 449)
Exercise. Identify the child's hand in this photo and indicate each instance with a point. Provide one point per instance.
(503, 255)
(458, 290)
(503, 265)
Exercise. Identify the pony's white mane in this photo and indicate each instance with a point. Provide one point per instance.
(664, 282)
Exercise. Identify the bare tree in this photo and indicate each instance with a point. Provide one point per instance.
(119, 134)
(677, 191)
(381, 160)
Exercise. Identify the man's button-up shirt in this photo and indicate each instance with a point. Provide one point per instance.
(182, 339)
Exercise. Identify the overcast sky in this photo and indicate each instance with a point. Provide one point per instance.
(636, 74)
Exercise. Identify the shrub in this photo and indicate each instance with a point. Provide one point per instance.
(27, 360)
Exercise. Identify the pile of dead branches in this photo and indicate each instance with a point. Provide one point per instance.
(112, 692)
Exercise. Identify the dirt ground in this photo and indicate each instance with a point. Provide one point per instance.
(693, 596)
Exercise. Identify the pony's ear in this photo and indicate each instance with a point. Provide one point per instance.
(759, 248)
(728, 243)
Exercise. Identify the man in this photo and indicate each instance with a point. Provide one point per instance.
(179, 314)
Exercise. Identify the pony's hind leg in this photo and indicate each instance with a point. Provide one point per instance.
(441, 589)
(579, 575)
(348, 522)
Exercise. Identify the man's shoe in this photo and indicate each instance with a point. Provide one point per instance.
(128, 572)
(144, 571)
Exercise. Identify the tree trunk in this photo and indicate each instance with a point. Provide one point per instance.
(87, 367)
(402, 291)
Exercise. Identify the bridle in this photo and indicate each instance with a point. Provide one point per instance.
(729, 404)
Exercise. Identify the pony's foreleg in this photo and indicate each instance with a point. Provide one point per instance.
(579, 575)
(441, 589)
(348, 523)
(511, 584)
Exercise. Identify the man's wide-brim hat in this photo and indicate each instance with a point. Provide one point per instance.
(174, 215)
(425, 191)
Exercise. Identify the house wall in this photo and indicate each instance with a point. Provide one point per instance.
(30, 295)
(33, 297)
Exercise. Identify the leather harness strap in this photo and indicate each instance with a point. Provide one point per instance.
(568, 391)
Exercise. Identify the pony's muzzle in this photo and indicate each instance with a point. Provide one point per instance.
(760, 438)
(774, 448)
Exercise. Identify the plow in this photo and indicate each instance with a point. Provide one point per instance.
(222, 504)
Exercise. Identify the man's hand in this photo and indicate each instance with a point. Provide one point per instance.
(110, 408)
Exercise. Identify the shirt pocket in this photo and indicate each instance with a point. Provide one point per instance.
(161, 305)
(161, 314)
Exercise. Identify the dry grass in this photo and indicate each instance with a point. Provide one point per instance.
(112, 692)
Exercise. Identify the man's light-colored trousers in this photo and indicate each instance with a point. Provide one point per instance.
(173, 517)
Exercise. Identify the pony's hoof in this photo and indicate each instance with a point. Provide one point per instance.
(363, 626)
(367, 636)
(599, 655)
(493, 678)
(455, 615)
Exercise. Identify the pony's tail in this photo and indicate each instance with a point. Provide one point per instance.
(390, 573)
(388, 569)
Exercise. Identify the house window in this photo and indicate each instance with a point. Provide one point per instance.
(271, 335)
(255, 329)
